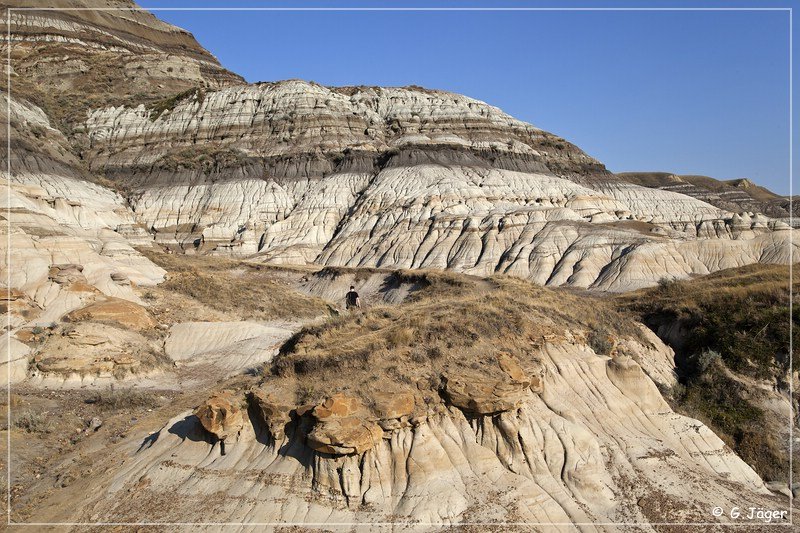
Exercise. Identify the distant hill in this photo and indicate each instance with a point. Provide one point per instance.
(732, 195)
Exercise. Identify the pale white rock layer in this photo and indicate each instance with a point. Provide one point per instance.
(290, 222)
(547, 229)
(58, 220)
(255, 118)
(232, 346)
(13, 359)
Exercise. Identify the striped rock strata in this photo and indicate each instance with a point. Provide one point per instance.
(294, 172)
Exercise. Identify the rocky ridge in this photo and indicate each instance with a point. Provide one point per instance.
(732, 195)
(69, 58)
(511, 414)
(294, 173)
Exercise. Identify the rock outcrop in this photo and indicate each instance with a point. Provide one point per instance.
(18, 307)
(273, 412)
(192, 159)
(232, 346)
(71, 58)
(479, 394)
(92, 353)
(597, 444)
(220, 415)
(117, 310)
(341, 427)
(394, 410)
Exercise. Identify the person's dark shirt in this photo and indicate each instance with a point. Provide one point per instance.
(352, 298)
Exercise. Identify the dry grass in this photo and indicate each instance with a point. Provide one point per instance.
(207, 158)
(103, 83)
(168, 104)
(117, 399)
(741, 313)
(236, 289)
(456, 322)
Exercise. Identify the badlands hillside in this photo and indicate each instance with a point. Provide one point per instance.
(543, 344)
(732, 195)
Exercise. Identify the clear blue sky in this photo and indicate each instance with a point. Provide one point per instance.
(685, 92)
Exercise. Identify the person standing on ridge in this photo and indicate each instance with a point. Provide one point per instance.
(352, 300)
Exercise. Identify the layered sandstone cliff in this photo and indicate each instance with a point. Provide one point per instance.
(70, 58)
(732, 195)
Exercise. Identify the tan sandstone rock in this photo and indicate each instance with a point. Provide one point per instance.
(273, 412)
(394, 409)
(221, 415)
(345, 436)
(120, 278)
(343, 427)
(484, 394)
(19, 307)
(393, 404)
(123, 312)
(338, 406)
(85, 352)
(67, 273)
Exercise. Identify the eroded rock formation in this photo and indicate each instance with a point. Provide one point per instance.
(221, 415)
(71, 58)
(406, 178)
(596, 444)
(194, 160)
(294, 172)
(485, 395)
(733, 195)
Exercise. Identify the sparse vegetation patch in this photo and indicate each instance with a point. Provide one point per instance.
(730, 331)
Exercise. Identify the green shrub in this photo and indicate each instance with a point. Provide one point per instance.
(703, 360)
(168, 104)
